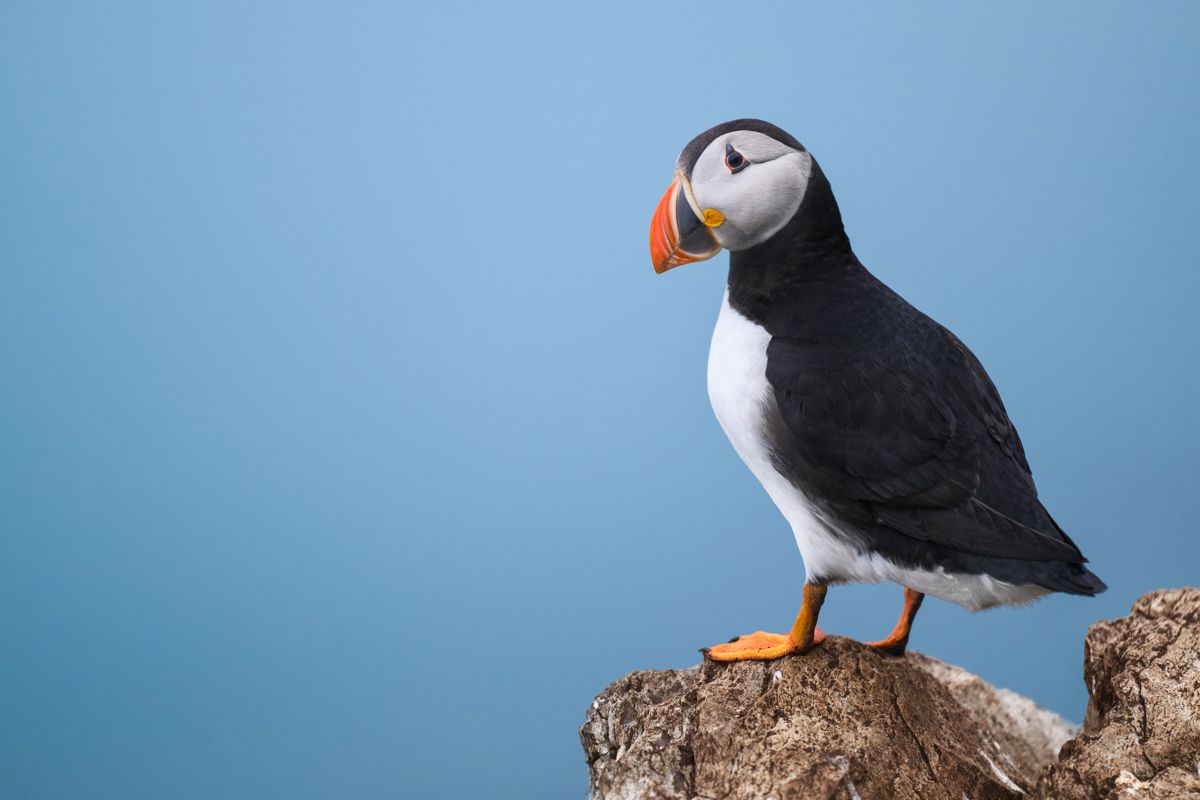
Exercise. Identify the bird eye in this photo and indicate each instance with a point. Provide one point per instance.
(735, 160)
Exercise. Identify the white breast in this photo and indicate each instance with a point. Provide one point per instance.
(737, 388)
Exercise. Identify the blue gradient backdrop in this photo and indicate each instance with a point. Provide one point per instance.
(350, 445)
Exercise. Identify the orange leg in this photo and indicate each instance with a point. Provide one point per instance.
(760, 645)
(897, 640)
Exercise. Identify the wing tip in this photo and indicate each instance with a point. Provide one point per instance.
(1079, 580)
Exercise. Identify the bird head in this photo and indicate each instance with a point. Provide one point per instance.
(736, 185)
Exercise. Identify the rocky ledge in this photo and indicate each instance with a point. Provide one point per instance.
(845, 722)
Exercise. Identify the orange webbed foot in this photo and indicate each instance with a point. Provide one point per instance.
(761, 646)
(890, 646)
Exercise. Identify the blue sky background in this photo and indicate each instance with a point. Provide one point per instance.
(350, 444)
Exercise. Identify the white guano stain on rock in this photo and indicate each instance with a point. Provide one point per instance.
(999, 773)
(843, 767)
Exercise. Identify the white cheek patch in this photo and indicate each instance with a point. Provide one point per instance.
(757, 201)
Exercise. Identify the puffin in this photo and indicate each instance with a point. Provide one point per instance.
(876, 432)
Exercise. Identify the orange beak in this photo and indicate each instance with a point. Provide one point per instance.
(677, 235)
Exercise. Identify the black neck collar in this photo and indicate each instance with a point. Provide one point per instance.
(809, 257)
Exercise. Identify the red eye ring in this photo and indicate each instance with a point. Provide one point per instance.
(735, 162)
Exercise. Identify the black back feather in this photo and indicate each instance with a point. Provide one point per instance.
(885, 418)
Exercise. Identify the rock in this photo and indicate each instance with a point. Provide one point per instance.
(841, 722)
(845, 722)
(1141, 735)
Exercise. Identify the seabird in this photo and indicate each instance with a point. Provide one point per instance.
(874, 429)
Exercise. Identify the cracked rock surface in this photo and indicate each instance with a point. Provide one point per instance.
(842, 721)
(1141, 735)
(845, 722)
